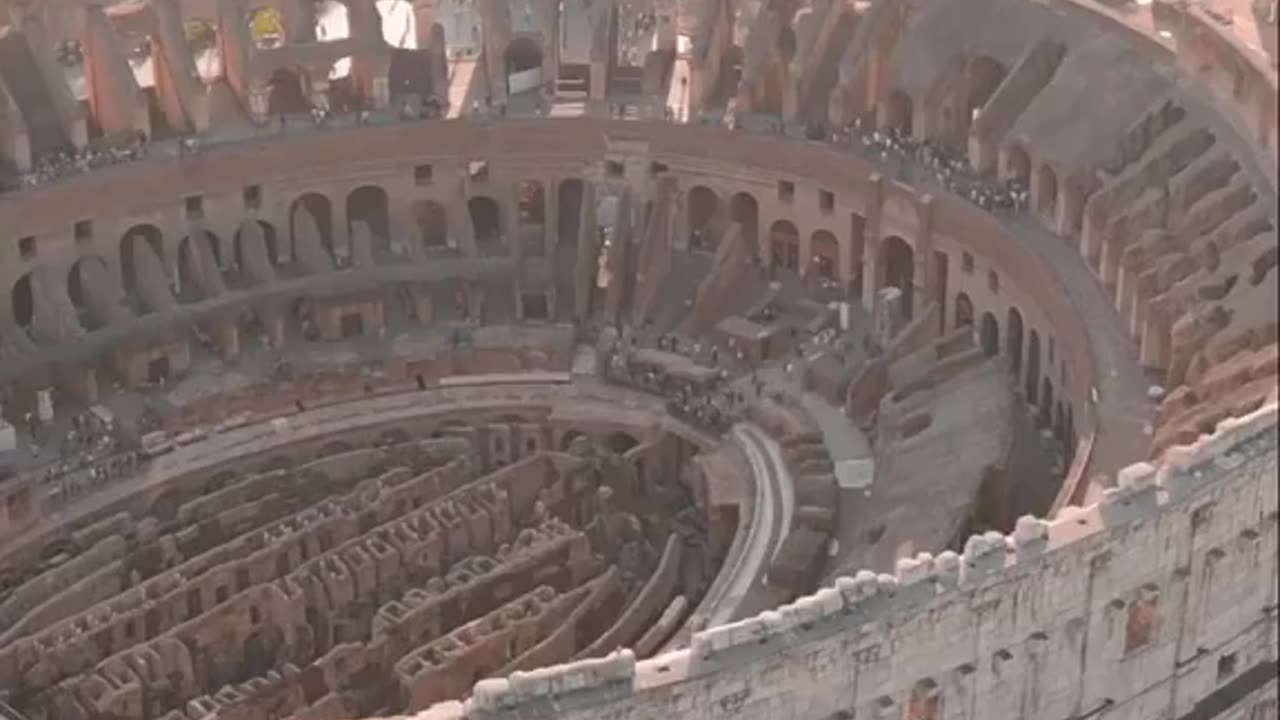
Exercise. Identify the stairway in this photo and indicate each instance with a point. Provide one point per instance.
(22, 76)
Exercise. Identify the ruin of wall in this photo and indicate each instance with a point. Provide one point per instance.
(1158, 601)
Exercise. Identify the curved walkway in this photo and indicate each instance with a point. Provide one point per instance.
(765, 529)
(267, 434)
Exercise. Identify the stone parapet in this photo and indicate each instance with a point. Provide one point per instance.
(1049, 589)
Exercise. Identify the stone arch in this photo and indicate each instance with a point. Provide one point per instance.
(23, 302)
(1017, 164)
(989, 334)
(259, 654)
(269, 238)
(825, 250)
(745, 210)
(963, 313)
(899, 262)
(433, 224)
(266, 27)
(1013, 341)
(1045, 415)
(925, 701)
(521, 55)
(619, 442)
(1033, 366)
(285, 93)
(129, 249)
(784, 246)
(703, 206)
(340, 27)
(569, 212)
(566, 440)
(985, 74)
(370, 205)
(81, 297)
(898, 113)
(321, 210)
(1047, 191)
(731, 63)
(486, 219)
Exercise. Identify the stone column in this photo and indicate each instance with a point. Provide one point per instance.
(226, 335)
(340, 228)
(551, 216)
(113, 92)
(259, 97)
(871, 245)
(925, 273)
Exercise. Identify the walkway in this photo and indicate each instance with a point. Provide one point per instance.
(267, 434)
(766, 528)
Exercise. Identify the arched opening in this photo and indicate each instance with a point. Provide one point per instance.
(569, 212)
(1018, 165)
(1013, 341)
(1045, 405)
(286, 94)
(399, 25)
(989, 333)
(22, 300)
(730, 72)
(985, 75)
(333, 21)
(523, 60)
(898, 113)
(266, 27)
(369, 204)
(826, 254)
(619, 442)
(857, 248)
(963, 311)
(88, 270)
(566, 440)
(433, 224)
(321, 211)
(703, 204)
(1059, 422)
(1047, 192)
(899, 262)
(268, 238)
(744, 210)
(1033, 366)
(259, 655)
(134, 241)
(784, 246)
(486, 219)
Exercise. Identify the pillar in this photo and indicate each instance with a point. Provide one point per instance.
(551, 216)
(871, 245)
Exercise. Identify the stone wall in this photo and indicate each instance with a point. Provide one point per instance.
(1159, 601)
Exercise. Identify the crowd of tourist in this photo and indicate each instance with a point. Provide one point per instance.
(89, 456)
(54, 167)
(949, 168)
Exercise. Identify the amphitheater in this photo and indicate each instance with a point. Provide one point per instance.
(615, 360)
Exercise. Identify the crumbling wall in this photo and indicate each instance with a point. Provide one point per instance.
(1166, 588)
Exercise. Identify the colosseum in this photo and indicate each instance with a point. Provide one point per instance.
(617, 360)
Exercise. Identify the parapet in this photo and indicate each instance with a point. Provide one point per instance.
(859, 604)
(584, 681)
